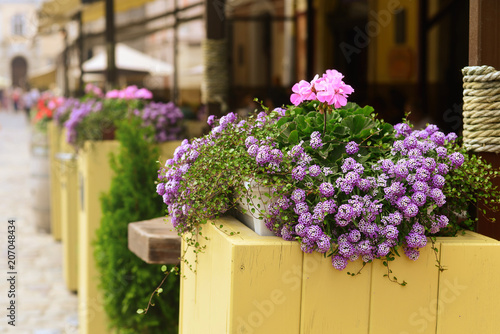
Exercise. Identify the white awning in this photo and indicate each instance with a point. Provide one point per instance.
(128, 59)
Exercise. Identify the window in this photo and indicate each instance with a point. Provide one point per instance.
(18, 25)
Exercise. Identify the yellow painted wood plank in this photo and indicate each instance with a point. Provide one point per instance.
(69, 223)
(266, 294)
(467, 237)
(240, 283)
(268, 278)
(410, 308)
(332, 301)
(54, 138)
(94, 178)
(469, 294)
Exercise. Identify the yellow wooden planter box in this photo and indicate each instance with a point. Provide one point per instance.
(55, 137)
(94, 178)
(69, 217)
(246, 283)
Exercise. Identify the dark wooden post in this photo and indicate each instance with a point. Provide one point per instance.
(81, 55)
(484, 33)
(422, 52)
(215, 18)
(484, 49)
(111, 75)
(65, 61)
(310, 40)
(175, 84)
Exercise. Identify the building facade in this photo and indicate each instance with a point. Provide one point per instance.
(18, 54)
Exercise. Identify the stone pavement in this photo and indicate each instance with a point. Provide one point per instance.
(43, 304)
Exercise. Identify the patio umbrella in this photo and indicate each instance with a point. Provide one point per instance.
(128, 59)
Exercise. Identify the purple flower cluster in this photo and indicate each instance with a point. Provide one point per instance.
(367, 206)
(353, 208)
(172, 176)
(164, 117)
(79, 112)
(63, 112)
(352, 148)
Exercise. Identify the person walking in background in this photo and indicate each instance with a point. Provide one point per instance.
(16, 98)
(30, 98)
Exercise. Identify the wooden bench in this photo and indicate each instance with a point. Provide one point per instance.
(155, 241)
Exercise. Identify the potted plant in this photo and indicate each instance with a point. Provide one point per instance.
(341, 181)
(91, 126)
(343, 185)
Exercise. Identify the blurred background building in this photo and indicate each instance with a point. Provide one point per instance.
(399, 55)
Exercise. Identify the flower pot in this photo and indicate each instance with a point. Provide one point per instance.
(244, 283)
(254, 204)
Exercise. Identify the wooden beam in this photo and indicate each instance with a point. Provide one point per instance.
(484, 49)
(155, 241)
(111, 74)
(215, 27)
(484, 33)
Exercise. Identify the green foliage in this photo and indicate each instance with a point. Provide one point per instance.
(125, 279)
(468, 186)
(337, 127)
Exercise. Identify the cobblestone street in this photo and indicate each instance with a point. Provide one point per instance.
(43, 304)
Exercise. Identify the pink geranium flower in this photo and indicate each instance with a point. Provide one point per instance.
(143, 93)
(302, 92)
(331, 89)
(112, 94)
(328, 89)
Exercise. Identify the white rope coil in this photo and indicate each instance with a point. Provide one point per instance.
(215, 78)
(481, 113)
(482, 120)
(481, 109)
(480, 85)
(478, 134)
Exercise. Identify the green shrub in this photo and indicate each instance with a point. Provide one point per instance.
(125, 279)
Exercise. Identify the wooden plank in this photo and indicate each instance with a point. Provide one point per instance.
(155, 241)
(412, 307)
(54, 137)
(332, 301)
(468, 290)
(240, 283)
(69, 221)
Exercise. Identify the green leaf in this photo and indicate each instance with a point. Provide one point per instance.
(293, 138)
(357, 123)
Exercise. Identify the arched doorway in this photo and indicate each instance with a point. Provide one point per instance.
(19, 70)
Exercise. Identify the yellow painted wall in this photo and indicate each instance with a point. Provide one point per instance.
(251, 284)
